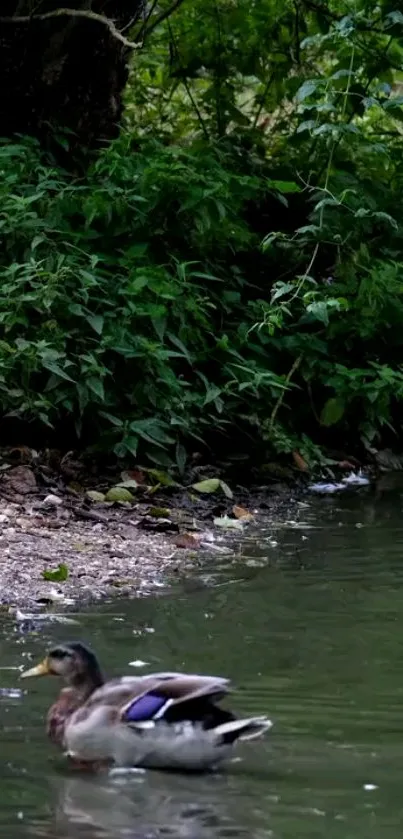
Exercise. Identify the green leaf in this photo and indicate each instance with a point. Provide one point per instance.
(209, 485)
(306, 125)
(119, 494)
(332, 411)
(130, 483)
(96, 386)
(228, 524)
(285, 186)
(56, 575)
(57, 370)
(162, 478)
(97, 323)
(307, 89)
(95, 496)
(319, 311)
(181, 458)
(177, 343)
(114, 420)
(226, 490)
(394, 17)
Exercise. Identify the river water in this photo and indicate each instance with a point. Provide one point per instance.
(310, 629)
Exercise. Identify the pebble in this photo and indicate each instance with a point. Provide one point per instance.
(51, 501)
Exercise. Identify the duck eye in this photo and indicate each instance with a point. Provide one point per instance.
(59, 653)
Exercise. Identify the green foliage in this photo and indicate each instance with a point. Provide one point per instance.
(56, 575)
(232, 265)
(121, 299)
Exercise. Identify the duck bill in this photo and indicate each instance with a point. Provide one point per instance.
(41, 669)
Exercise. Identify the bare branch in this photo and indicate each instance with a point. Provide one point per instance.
(76, 13)
(163, 16)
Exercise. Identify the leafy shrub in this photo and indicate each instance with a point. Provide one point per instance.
(121, 303)
(230, 268)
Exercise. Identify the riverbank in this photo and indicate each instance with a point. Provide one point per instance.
(63, 545)
(72, 533)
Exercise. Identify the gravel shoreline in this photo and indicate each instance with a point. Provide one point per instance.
(59, 549)
(102, 560)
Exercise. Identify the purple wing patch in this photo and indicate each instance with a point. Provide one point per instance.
(144, 708)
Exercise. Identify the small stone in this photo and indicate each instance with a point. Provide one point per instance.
(3, 518)
(21, 480)
(51, 501)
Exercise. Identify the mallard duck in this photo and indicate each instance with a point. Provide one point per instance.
(162, 720)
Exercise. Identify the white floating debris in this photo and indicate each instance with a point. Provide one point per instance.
(328, 487)
(370, 787)
(45, 616)
(123, 770)
(10, 693)
(138, 663)
(322, 488)
(354, 479)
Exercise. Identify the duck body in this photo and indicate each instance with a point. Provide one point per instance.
(157, 721)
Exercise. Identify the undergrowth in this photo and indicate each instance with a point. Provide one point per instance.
(229, 272)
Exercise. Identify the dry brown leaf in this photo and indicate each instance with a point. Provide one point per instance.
(299, 461)
(242, 514)
(187, 540)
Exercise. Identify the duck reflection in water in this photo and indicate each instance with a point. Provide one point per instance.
(140, 806)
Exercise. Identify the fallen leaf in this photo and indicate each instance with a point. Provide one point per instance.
(134, 475)
(159, 512)
(228, 523)
(242, 514)
(209, 485)
(162, 478)
(187, 540)
(95, 496)
(346, 464)
(119, 494)
(56, 575)
(75, 488)
(130, 483)
(226, 490)
(299, 461)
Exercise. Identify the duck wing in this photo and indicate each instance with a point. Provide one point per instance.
(177, 696)
(149, 697)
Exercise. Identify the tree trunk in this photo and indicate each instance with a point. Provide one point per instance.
(63, 72)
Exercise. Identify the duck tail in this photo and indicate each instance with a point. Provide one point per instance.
(248, 729)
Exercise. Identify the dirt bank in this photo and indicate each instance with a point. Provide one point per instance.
(60, 547)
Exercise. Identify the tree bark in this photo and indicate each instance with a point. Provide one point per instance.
(64, 71)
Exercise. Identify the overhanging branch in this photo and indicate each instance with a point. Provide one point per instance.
(76, 13)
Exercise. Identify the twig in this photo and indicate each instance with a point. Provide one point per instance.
(263, 100)
(87, 514)
(279, 402)
(185, 83)
(77, 13)
(163, 16)
(147, 18)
